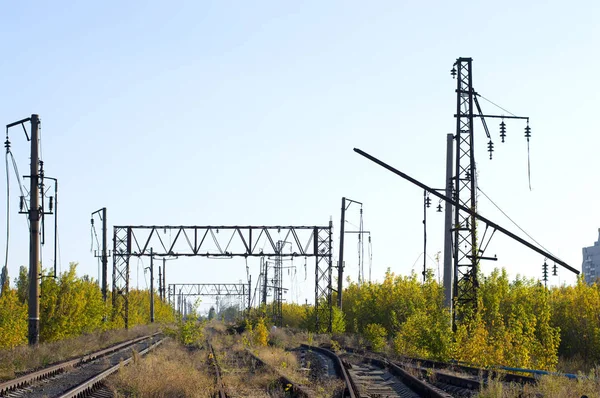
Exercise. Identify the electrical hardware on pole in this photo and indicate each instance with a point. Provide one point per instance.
(467, 210)
(467, 251)
(104, 254)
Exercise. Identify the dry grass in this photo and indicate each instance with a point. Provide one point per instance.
(283, 361)
(169, 371)
(547, 386)
(241, 376)
(24, 359)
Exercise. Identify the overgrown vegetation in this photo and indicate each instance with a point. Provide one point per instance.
(70, 306)
(24, 358)
(169, 371)
(519, 323)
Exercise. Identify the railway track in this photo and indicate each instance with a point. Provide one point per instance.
(456, 380)
(80, 377)
(221, 393)
(366, 377)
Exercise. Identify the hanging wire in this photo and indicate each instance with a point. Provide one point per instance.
(496, 105)
(511, 220)
(370, 256)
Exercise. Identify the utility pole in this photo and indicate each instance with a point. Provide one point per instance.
(265, 280)
(340, 286)
(151, 286)
(160, 288)
(426, 204)
(448, 269)
(164, 281)
(249, 293)
(104, 251)
(34, 238)
(346, 202)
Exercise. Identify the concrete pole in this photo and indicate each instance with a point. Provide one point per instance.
(34, 238)
(104, 257)
(340, 286)
(151, 286)
(448, 257)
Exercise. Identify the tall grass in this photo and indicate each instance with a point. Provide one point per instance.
(169, 371)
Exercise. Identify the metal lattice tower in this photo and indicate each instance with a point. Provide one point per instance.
(323, 288)
(465, 185)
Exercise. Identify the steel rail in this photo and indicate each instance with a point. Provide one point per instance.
(351, 389)
(44, 373)
(220, 384)
(298, 389)
(93, 382)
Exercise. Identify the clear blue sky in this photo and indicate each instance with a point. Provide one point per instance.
(247, 112)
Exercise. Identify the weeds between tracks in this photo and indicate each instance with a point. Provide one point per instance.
(24, 358)
(170, 371)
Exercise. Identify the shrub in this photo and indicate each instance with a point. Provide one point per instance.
(376, 335)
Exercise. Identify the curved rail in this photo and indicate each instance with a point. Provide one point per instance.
(351, 389)
(50, 371)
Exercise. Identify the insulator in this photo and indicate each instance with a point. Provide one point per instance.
(21, 203)
(527, 132)
(453, 72)
(92, 220)
(428, 202)
(51, 203)
(490, 148)
(554, 270)
(502, 130)
(545, 271)
(439, 207)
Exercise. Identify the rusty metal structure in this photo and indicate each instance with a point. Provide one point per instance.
(224, 242)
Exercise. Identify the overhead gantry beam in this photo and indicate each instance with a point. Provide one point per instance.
(224, 242)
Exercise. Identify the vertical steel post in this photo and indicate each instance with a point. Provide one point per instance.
(249, 291)
(104, 257)
(151, 286)
(448, 269)
(164, 276)
(424, 234)
(340, 286)
(55, 223)
(329, 260)
(34, 238)
(316, 251)
(160, 286)
(266, 280)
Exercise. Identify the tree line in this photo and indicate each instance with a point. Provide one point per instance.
(69, 306)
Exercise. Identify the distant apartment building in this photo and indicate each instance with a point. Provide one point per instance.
(591, 262)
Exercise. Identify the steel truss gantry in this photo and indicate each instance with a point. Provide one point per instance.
(224, 242)
(241, 290)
